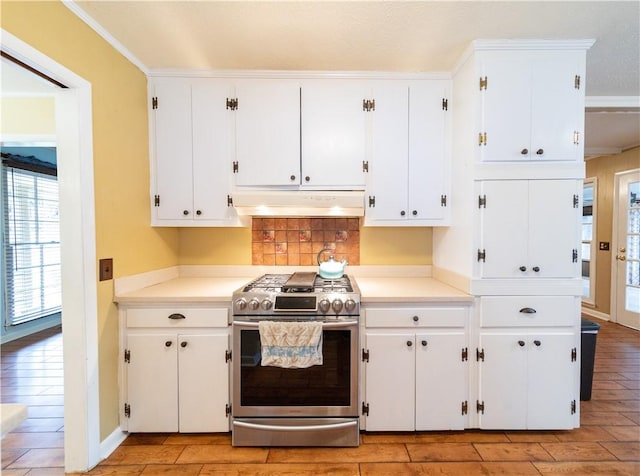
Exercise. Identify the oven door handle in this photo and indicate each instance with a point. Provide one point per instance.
(330, 426)
(325, 325)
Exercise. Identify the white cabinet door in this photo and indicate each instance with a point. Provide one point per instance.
(441, 381)
(334, 133)
(550, 393)
(212, 149)
(152, 383)
(390, 382)
(503, 381)
(172, 141)
(203, 383)
(268, 132)
(531, 107)
(529, 228)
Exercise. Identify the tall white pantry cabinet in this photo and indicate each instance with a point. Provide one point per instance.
(514, 241)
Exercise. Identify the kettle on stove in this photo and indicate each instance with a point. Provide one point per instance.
(330, 269)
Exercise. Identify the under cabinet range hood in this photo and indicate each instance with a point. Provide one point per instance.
(299, 203)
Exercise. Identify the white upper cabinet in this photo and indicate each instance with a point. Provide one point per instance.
(409, 180)
(532, 106)
(191, 140)
(334, 133)
(529, 228)
(267, 132)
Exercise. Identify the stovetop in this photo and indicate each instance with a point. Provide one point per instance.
(302, 293)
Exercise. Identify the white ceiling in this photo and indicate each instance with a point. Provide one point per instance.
(422, 36)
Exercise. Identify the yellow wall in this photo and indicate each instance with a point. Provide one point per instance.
(604, 168)
(120, 163)
(23, 115)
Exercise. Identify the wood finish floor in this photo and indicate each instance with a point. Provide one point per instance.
(608, 442)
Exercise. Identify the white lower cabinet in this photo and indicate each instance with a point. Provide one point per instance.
(176, 376)
(416, 369)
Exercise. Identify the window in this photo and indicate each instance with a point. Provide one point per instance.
(588, 240)
(31, 243)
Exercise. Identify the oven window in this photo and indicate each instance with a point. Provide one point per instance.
(321, 385)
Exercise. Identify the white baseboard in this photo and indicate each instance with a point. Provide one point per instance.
(111, 442)
(597, 314)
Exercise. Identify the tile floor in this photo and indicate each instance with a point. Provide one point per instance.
(608, 442)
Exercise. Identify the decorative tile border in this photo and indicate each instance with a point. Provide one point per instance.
(297, 241)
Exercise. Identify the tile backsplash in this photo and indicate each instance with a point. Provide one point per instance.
(297, 241)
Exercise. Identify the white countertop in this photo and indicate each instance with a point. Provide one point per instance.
(198, 288)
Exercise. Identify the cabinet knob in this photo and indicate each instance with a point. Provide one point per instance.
(198, 212)
(183, 344)
(185, 212)
(416, 318)
(424, 343)
(524, 151)
(539, 151)
(403, 213)
(168, 343)
(409, 343)
(414, 213)
(293, 177)
(536, 268)
(523, 268)
(521, 343)
(537, 343)
(307, 178)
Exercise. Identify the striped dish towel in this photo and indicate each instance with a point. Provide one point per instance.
(291, 344)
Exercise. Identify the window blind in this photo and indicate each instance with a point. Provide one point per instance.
(31, 242)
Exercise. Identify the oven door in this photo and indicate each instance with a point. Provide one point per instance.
(327, 390)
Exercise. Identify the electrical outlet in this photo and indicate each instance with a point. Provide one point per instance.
(106, 269)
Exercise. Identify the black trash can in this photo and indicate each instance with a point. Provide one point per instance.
(587, 356)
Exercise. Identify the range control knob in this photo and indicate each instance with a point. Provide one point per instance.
(254, 304)
(350, 305)
(266, 304)
(324, 305)
(241, 304)
(336, 305)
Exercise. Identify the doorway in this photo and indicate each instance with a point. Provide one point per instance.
(625, 284)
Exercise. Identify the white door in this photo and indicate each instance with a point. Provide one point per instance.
(441, 381)
(268, 132)
(390, 382)
(152, 383)
(203, 383)
(626, 257)
(334, 133)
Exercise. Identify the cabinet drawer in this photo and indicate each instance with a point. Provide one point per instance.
(524, 311)
(215, 317)
(416, 317)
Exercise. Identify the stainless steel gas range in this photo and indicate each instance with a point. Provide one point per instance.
(313, 406)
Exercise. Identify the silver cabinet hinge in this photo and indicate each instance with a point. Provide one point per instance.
(365, 355)
(368, 105)
(154, 103)
(365, 408)
(576, 137)
(482, 201)
(479, 355)
(576, 82)
(480, 407)
(443, 200)
(127, 356)
(445, 104)
(465, 407)
(127, 410)
(576, 201)
(156, 200)
(372, 201)
(482, 255)
(227, 409)
(234, 168)
(574, 255)
(229, 201)
(574, 354)
(482, 138)
(227, 356)
(465, 354)
(232, 103)
(573, 407)
(483, 83)
(365, 166)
